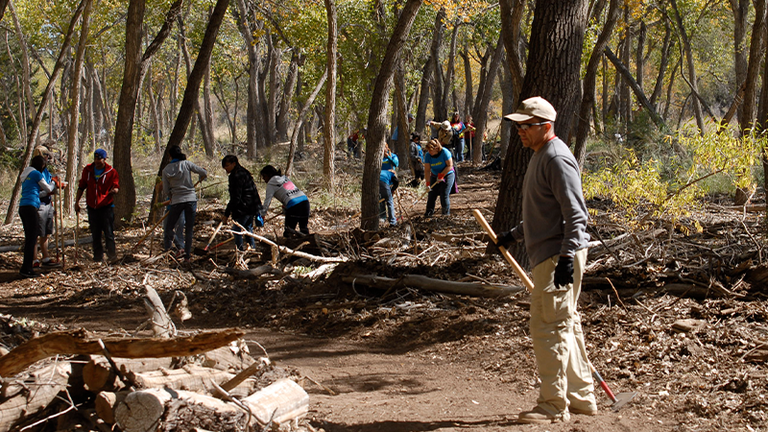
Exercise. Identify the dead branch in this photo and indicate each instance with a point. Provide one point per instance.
(438, 285)
(77, 342)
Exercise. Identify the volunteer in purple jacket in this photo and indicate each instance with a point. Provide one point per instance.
(295, 202)
(555, 236)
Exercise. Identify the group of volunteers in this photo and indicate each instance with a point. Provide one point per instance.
(100, 183)
(554, 231)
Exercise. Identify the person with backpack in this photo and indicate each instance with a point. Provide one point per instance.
(295, 202)
(180, 190)
(244, 202)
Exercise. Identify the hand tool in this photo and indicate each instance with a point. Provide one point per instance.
(618, 401)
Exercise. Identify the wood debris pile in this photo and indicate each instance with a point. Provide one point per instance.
(206, 381)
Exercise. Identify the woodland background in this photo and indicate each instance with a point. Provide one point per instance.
(661, 101)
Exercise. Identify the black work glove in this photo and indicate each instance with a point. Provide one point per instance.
(505, 239)
(564, 271)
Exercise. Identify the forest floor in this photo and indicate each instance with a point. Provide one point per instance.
(403, 359)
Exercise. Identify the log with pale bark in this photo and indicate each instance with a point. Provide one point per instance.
(78, 342)
(438, 285)
(24, 399)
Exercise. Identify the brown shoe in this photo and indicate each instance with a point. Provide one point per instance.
(540, 415)
(587, 412)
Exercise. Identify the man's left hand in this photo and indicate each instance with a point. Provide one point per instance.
(564, 271)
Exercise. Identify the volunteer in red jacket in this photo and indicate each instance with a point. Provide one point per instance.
(100, 183)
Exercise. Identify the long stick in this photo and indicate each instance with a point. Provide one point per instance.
(61, 236)
(150, 231)
(214, 235)
(528, 284)
(56, 225)
(504, 252)
(77, 227)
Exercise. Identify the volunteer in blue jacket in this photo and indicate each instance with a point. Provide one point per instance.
(32, 183)
(387, 184)
(438, 164)
(295, 202)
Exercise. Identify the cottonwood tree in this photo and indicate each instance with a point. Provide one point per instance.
(552, 72)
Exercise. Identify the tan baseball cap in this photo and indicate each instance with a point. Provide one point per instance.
(41, 151)
(533, 107)
(445, 125)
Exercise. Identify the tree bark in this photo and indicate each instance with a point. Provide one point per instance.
(247, 29)
(329, 128)
(740, 10)
(512, 13)
(299, 127)
(552, 72)
(289, 87)
(439, 109)
(377, 116)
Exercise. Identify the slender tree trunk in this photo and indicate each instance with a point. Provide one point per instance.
(288, 90)
(512, 13)
(469, 106)
(210, 147)
(377, 116)
(692, 79)
(273, 52)
(740, 10)
(73, 146)
(247, 30)
(450, 71)
(35, 127)
(421, 108)
(329, 131)
(658, 88)
(481, 116)
(756, 53)
(296, 136)
(552, 72)
(590, 82)
(508, 105)
(192, 92)
(639, 61)
(202, 118)
(439, 109)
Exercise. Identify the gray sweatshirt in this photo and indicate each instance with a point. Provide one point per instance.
(554, 210)
(177, 181)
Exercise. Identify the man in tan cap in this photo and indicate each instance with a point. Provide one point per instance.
(555, 236)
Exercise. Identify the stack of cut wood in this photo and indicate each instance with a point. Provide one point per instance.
(204, 381)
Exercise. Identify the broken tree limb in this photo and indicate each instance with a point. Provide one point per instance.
(438, 285)
(288, 251)
(255, 273)
(77, 342)
(190, 377)
(161, 323)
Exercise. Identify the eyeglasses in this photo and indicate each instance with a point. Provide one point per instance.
(525, 126)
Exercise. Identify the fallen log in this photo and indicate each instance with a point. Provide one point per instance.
(77, 342)
(190, 377)
(438, 285)
(28, 398)
(255, 273)
(99, 376)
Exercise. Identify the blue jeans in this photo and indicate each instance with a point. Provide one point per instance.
(297, 215)
(442, 189)
(459, 150)
(247, 222)
(386, 208)
(189, 209)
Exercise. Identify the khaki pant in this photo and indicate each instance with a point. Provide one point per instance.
(558, 340)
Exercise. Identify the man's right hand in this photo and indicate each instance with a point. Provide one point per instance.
(505, 239)
(77, 207)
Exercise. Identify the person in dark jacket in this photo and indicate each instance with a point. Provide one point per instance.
(244, 201)
(100, 182)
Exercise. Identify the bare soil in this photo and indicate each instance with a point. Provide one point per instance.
(406, 360)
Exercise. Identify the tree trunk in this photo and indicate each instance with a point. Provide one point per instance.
(552, 72)
(508, 105)
(590, 82)
(135, 66)
(639, 63)
(481, 117)
(377, 116)
(692, 79)
(658, 88)
(329, 129)
(247, 30)
(450, 71)
(469, 106)
(296, 136)
(202, 118)
(421, 108)
(273, 53)
(35, 127)
(740, 10)
(439, 110)
(403, 127)
(756, 53)
(288, 90)
(73, 146)
(192, 91)
(210, 142)
(512, 13)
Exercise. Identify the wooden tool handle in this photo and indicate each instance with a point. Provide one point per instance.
(504, 252)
